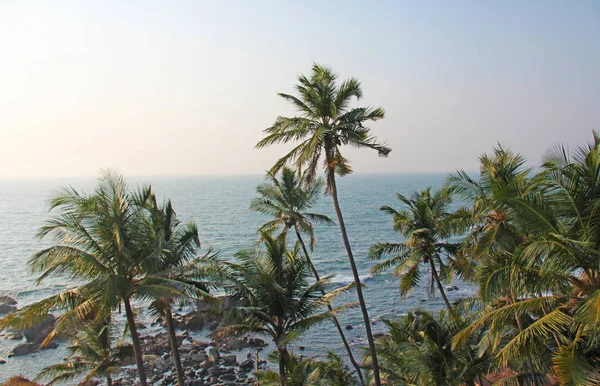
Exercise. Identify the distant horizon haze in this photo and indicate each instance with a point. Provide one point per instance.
(151, 88)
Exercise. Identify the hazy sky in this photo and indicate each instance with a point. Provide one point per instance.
(153, 88)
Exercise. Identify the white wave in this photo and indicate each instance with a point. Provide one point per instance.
(347, 279)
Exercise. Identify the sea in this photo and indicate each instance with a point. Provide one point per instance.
(220, 207)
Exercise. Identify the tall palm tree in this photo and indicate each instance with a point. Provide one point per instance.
(180, 268)
(327, 122)
(287, 201)
(92, 354)
(426, 226)
(105, 241)
(277, 299)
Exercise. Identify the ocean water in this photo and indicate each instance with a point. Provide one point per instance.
(219, 206)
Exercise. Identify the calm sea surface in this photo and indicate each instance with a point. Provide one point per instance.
(219, 205)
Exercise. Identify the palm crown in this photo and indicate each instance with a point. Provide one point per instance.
(287, 201)
(326, 123)
(425, 223)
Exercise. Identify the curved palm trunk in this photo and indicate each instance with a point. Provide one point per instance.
(436, 278)
(135, 338)
(361, 300)
(282, 353)
(174, 349)
(334, 318)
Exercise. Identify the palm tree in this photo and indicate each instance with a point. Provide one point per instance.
(287, 201)
(418, 351)
(104, 240)
(180, 268)
(92, 354)
(516, 240)
(310, 372)
(277, 299)
(327, 122)
(426, 226)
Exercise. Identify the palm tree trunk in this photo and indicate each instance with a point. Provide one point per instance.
(174, 349)
(361, 300)
(440, 287)
(334, 318)
(282, 351)
(135, 338)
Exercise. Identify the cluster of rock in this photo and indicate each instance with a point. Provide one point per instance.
(204, 363)
(34, 335)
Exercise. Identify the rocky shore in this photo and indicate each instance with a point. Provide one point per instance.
(227, 362)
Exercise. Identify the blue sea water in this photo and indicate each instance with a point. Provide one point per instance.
(219, 206)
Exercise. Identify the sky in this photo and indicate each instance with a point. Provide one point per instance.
(186, 87)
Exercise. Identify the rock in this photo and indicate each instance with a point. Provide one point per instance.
(301, 348)
(7, 308)
(186, 348)
(201, 345)
(198, 358)
(195, 323)
(452, 288)
(230, 360)
(50, 345)
(14, 335)
(140, 326)
(2, 361)
(256, 342)
(7, 300)
(247, 365)
(349, 327)
(424, 299)
(23, 349)
(213, 355)
(36, 334)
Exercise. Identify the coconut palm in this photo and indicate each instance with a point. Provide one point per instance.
(93, 354)
(180, 268)
(287, 201)
(310, 372)
(105, 241)
(418, 351)
(425, 225)
(277, 299)
(325, 124)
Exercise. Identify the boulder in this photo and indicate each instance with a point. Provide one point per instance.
(200, 345)
(247, 365)
(194, 323)
(23, 349)
(256, 342)
(198, 358)
(7, 300)
(6, 308)
(349, 327)
(36, 334)
(230, 360)
(50, 346)
(452, 288)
